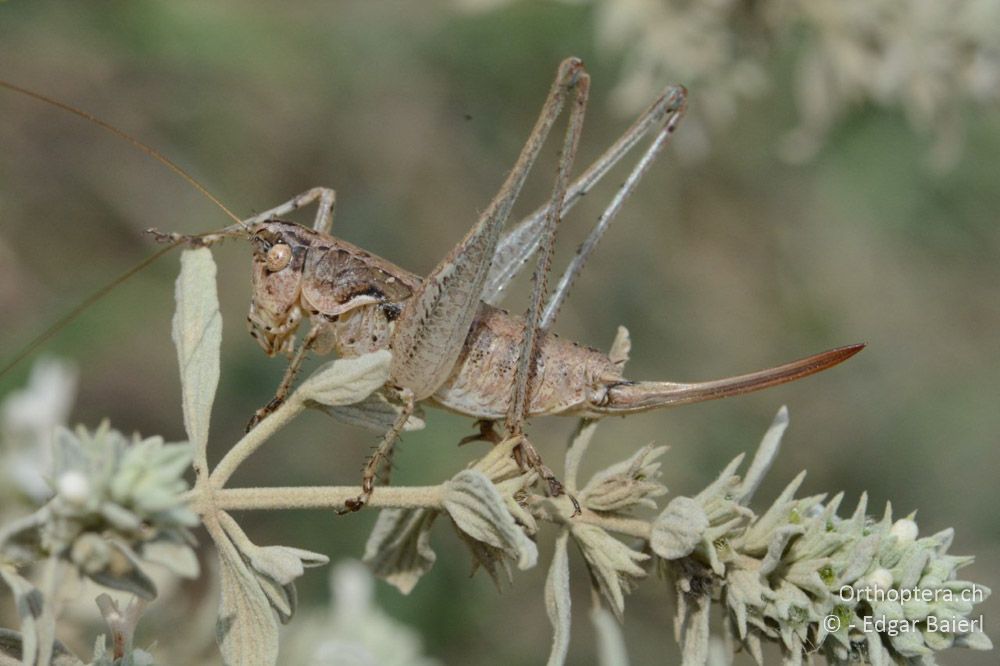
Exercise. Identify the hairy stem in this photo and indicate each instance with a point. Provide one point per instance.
(321, 497)
(385, 497)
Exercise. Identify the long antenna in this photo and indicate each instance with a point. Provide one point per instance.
(149, 150)
(107, 288)
(97, 295)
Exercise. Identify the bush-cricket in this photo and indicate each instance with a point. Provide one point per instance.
(451, 346)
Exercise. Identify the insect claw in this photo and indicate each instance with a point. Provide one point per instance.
(353, 505)
(253, 422)
(576, 506)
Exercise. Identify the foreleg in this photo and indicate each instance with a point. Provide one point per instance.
(286, 382)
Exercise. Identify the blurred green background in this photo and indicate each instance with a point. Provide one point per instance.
(728, 259)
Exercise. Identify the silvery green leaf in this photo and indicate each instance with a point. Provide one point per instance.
(275, 567)
(878, 655)
(121, 571)
(21, 539)
(776, 548)
(140, 658)
(579, 443)
(909, 643)
(101, 656)
(30, 606)
(282, 563)
(613, 565)
(247, 629)
(806, 575)
(12, 651)
(938, 640)
(398, 549)
(976, 640)
(90, 553)
(197, 334)
(347, 380)
(720, 651)
(724, 483)
(745, 590)
(479, 511)
(764, 457)
(150, 477)
(283, 598)
(620, 347)
(374, 413)
(494, 561)
(177, 557)
(626, 484)
(557, 600)
(860, 557)
(678, 529)
(119, 517)
(499, 463)
(611, 649)
(911, 565)
(67, 453)
(754, 646)
(693, 628)
(821, 538)
(757, 538)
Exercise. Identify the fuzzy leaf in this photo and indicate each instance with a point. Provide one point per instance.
(557, 601)
(177, 557)
(627, 484)
(611, 649)
(398, 549)
(764, 456)
(976, 640)
(30, 607)
(579, 443)
(613, 565)
(275, 567)
(479, 511)
(374, 413)
(776, 548)
(494, 561)
(197, 334)
(247, 629)
(694, 633)
(621, 347)
(121, 571)
(348, 380)
(21, 539)
(12, 649)
(678, 529)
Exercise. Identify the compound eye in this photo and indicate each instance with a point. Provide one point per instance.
(279, 256)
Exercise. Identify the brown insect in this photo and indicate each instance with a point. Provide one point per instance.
(451, 346)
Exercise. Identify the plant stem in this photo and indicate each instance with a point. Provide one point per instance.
(323, 497)
(414, 497)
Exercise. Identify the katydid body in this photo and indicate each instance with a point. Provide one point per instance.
(450, 345)
(353, 299)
